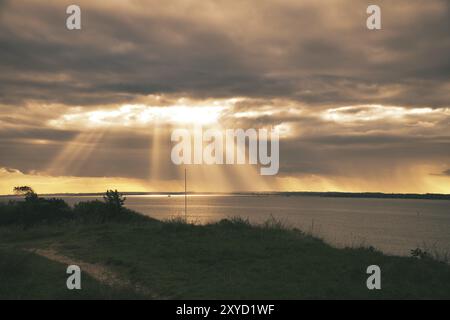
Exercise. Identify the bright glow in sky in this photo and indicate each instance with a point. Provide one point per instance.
(140, 116)
(378, 112)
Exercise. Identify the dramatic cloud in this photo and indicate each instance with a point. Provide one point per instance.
(310, 51)
(356, 110)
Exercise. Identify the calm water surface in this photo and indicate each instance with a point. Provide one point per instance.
(394, 226)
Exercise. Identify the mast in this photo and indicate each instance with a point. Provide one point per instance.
(185, 195)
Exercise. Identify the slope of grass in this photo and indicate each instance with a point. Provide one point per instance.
(24, 275)
(232, 260)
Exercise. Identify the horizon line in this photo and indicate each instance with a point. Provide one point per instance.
(373, 194)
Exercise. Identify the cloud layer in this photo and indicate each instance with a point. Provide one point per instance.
(359, 109)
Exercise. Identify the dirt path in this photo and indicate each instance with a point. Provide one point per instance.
(96, 271)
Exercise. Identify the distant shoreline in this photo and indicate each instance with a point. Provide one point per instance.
(367, 195)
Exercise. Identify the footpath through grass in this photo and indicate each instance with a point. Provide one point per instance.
(226, 260)
(25, 276)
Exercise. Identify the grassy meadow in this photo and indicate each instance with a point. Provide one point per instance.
(230, 259)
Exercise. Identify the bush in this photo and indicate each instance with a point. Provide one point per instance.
(237, 222)
(34, 211)
(114, 200)
(101, 212)
(420, 254)
(8, 213)
(91, 212)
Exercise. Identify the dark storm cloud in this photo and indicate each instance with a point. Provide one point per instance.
(375, 140)
(306, 51)
(359, 153)
(37, 134)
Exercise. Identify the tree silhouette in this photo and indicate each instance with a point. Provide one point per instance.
(26, 191)
(114, 199)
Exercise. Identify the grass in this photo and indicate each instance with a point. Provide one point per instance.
(231, 259)
(24, 276)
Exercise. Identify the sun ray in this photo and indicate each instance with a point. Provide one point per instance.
(75, 153)
(155, 163)
(248, 175)
(87, 151)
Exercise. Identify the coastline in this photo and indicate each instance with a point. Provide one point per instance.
(230, 259)
(330, 194)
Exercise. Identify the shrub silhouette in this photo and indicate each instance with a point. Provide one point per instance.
(39, 211)
(102, 212)
(35, 210)
(420, 254)
(91, 212)
(114, 200)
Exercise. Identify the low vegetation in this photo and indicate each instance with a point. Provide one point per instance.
(34, 210)
(230, 259)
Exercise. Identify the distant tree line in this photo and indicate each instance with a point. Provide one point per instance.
(380, 195)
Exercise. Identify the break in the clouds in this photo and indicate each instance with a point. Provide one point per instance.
(357, 110)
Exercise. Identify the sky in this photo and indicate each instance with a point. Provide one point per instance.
(356, 110)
